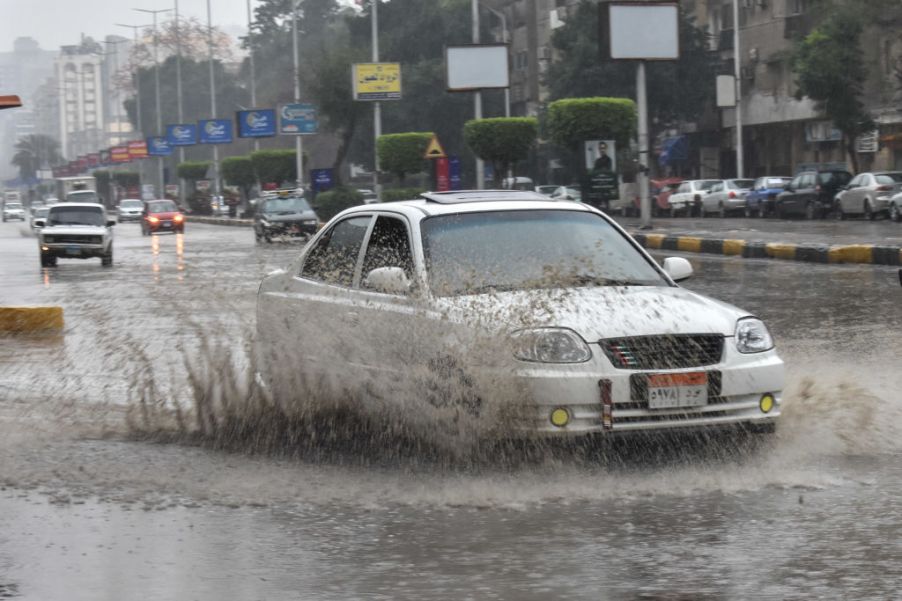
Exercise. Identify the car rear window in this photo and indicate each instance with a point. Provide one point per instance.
(162, 206)
(888, 178)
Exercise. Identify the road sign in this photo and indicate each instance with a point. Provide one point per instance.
(258, 123)
(376, 81)
(158, 146)
(434, 150)
(181, 134)
(297, 119)
(215, 131)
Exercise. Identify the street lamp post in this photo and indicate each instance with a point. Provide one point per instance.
(298, 140)
(377, 107)
(178, 94)
(250, 48)
(506, 40)
(740, 166)
(216, 188)
(156, 75)
(477, 96)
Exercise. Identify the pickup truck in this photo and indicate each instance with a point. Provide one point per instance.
(75, 231)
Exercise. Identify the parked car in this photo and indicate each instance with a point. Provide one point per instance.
(759, 202)
(38, 213)
(660, 191)
(13, 210)
(75, 231)
(546, 190)
(285, 215)
(868, 194)
(726, 197)
(687, 200)
(503, 308)
(811, 193)
(129, 209)
(161, 216)
(571, 192)
(517, 183)
(369, 197)
(895, 209)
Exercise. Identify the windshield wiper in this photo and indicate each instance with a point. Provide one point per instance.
(589, 280)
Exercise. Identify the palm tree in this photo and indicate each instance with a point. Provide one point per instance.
(34, 152)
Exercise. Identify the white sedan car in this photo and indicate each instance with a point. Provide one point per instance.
(508, 312)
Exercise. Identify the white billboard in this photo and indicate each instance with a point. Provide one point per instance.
(726, 90)
(477, 67)
(644, 31)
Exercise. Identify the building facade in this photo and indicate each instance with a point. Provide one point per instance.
(79, 71)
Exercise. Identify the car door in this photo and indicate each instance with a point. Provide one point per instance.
(789, 197)
(714, 196)
(850, 199)
(306, 319)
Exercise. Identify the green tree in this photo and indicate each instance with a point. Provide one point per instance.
(830, 70)
(274, 166)
(239, 171)
(502, 141)
(332, 202)
(35, 152)
(572, 121)
(402, 154)
(193, 170)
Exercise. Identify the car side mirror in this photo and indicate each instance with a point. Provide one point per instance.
(110, 223)
(40, 222)
(390, 280)
(678, 268)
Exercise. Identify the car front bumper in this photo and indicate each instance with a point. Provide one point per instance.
(73, 251)
(19, 216)
(601, 398)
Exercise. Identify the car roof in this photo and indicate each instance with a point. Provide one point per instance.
(69, 205)
(473, 201)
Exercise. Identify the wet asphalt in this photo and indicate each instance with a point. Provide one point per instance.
(89, 512)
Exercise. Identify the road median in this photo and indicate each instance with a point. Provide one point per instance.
(210, 220)
(759, 249)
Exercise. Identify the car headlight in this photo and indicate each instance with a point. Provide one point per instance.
(752, 336)
(550, 345)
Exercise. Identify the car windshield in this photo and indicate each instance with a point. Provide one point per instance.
(775, 182)
(131, 204)
(13, 205)
(470, 253)
(82, 196)
(161, 206)
(741, 184)
(64, 215)
(40, 212)
(888, 178)
(285, 206)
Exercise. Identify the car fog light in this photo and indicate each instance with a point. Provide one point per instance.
(560, 417)
(766, 403)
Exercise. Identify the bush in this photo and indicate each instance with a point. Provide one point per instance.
(396, 194)
(501, 141)
(332, 202)
(275, 166)
(239, 171)
(571, 121)
(193, 170)
(400, 154)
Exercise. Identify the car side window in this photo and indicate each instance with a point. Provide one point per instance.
(389, 246)
(683, 189)
(334, 257)
(716, 188)
(856, 181)
(807, 181)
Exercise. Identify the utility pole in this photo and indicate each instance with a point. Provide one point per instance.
(477, 97)
(156, 75)
(250, 48)
(178, 94)
(740, 162)
(298, 140)
(135, 29)
(377, 107)
(216, 188)
(642, 175)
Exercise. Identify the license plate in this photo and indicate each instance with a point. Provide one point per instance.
(667, 391)
(73, 250)
(167, 224)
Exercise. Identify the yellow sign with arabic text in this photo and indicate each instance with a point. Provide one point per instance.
(376, 81)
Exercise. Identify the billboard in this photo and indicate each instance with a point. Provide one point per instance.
(181, 134)
(376, 81)
(119, 154)
(158, 146)
(476, 67)
(137, 149)
(297, 119)
(215, 131)
(631, 37)
(257, 123)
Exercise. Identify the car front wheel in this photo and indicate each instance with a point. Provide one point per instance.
(894, 214)
(868, 211)
(107, 259)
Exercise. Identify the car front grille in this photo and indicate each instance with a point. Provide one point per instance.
(676, 351)
(73, 239)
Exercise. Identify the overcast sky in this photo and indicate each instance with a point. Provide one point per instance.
(58, 22)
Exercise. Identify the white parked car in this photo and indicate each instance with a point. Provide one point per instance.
(75, 231)
(13, 210)
(687, 200)
(503, 307)
(129, 209)
(726, 196)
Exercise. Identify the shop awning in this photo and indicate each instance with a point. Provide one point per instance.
(9, 102)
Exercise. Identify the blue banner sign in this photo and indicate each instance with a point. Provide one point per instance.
(215, 131)
(258, 123)
(297, 119)
(158, 146)
(181, 134)
(454, 172)
(322, 179)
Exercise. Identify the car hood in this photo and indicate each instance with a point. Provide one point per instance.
(597, 313)
(302, 216)
(80, 230)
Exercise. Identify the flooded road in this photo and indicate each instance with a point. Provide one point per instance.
(88, 512)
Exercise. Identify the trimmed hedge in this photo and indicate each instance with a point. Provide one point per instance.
(402, 154)
(332, 202)
(397, 194)
(192, 170)
(275, 166)
(501, 141)
(571, 121)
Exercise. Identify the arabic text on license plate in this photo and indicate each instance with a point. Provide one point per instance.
(167, 224)
(666, 391)
(73, 250)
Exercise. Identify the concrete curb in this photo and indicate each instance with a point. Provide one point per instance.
(756, 249)
(30, 319)
(220, 221)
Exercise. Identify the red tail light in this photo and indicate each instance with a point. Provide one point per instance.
(884, 188)
(817, 188)
(732, 194)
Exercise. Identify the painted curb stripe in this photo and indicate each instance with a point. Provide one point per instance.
(689, 244)
(30, 319)
(853, 253)
(777, 250)
(733, 247)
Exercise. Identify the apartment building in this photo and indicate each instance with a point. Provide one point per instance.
(81, 99)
